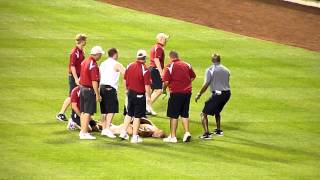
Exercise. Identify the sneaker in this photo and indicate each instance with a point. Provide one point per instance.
(186, 137)
(153, 113)
(136, 139)
(124, 135)
(108, 133)
(170, 139)
(71, 125)
(218, 132)
(61, 117)
(86, 136)
(206, 136)
(150, 111)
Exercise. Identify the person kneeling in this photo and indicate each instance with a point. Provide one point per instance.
(74, 121)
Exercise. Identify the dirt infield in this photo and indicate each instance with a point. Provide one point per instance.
(272, 20)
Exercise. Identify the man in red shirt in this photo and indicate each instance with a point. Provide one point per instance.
(178, 75)
(76, 57)
(156, 69)
(137, 80)
(75, 115)
(89, 94)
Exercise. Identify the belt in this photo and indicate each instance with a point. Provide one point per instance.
(217, 92)
(136, 93)
(107, 87)
(86, 87)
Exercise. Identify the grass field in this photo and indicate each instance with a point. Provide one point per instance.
(271, 124)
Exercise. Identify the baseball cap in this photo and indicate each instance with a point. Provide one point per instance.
(97, 50)
(141, 53)
(162, 35)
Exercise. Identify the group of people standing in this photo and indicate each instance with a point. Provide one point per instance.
(90, 84)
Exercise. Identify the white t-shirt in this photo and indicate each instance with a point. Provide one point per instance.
(108, 76)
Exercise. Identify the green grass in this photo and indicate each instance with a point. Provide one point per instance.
(271, 123)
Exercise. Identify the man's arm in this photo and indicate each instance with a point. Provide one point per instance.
(165, 85)
(75, 108)
(148, 92)
(119, 68)
(95, 86)
(157, 62)
(192, 74)
(202, 90)
(74, 74)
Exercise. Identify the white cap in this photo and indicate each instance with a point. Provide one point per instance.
(97, 50)
(141, 53)
(162, 35)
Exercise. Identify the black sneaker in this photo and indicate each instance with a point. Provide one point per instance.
(218, 132)
(61, 117)
(206, 136)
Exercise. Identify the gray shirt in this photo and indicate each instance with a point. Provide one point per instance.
(217, 76)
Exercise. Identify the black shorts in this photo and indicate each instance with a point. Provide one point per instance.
(178, 105)
(109, 102)
(87, 100)
(156, 78)
(215, 103)
(75, 118)
(72, 83)
(136, 104)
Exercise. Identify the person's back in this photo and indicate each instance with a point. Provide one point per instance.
(218, 75)
(108, 75)
(180, 76)
(136, 71)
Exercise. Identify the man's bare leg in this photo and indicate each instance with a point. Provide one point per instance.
(81, 122)
(103, 121)
(65, 105)
(136, 124)
(185, 123)
(205, 124)
(109, 118)
(155, 94)
(126, 122)
(218, 118)
(85, 122)
(173, 127)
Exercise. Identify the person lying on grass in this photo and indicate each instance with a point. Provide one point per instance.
(146, 129)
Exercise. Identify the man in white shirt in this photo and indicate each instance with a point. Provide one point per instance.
(110, 70)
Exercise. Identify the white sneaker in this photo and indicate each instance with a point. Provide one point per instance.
(87, 136)
(123, 135)
(71, 125)
(136, 139)
(153, 113)
(108, 133)
(150, 111)
(170, 139)
(81, 133)
(186, 137)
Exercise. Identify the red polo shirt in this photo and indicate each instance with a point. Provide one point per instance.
(75, 96)
(76, 58)
(157, 51)
(89, 72)
(137, 75)
(179, 74)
